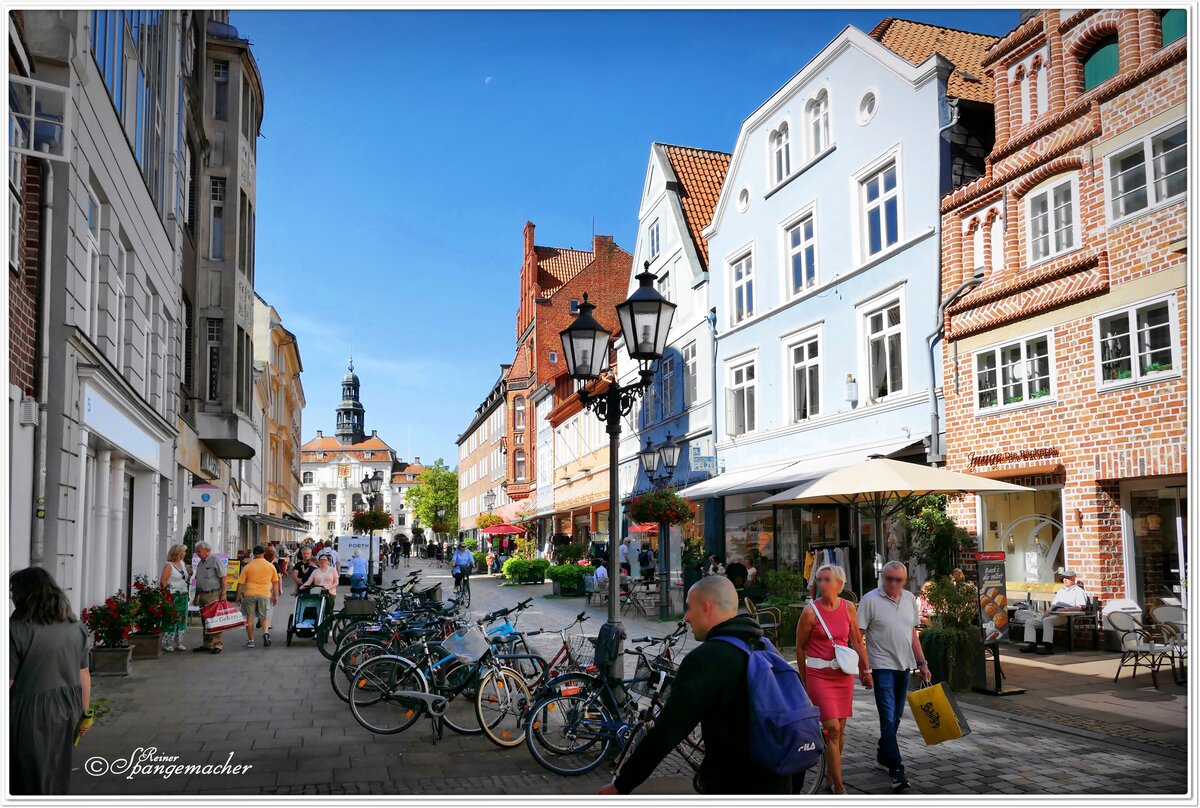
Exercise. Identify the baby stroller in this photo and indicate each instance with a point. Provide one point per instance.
(310, 611)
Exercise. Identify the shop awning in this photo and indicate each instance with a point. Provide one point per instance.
(646, 528)
(283, 522)
(786, 475)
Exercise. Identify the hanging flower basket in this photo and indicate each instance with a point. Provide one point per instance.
(368, 521)
(660, 507)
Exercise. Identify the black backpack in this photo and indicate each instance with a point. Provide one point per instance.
(643, 557)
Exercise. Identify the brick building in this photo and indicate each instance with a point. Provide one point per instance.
(24, 265)
(552, 285)
(1065, 365)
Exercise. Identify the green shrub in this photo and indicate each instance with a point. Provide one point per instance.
(472, 544)
(950, 651)
(567, 576)
(570, 553)
(481, 564)
(784, 586)
(935, 538)
(539, 566)
(515, 569)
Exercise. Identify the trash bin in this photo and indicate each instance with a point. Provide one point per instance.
(1112, 638)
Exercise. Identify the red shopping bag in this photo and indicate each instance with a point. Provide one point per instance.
(221, 616)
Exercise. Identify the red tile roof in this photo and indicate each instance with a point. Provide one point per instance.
(331, 447)
(558, 265)
(700, 173)
(917, 41)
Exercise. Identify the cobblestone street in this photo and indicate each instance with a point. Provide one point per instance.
(273, 708)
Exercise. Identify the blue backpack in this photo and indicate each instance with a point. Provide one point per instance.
(785, 726)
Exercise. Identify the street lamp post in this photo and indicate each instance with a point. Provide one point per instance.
(370, 485)
(666, 457)
(489, 502)
(645, 318)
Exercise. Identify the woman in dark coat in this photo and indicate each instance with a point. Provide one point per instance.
(50, 685)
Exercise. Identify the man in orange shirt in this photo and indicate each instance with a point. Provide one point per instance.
(258, 592)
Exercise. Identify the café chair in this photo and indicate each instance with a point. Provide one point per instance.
(1142, 646)
(769, 619)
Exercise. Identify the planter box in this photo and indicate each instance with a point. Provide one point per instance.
(568, 592)
(146, 646)
(528, 579)
(690, 576)
(111, 661)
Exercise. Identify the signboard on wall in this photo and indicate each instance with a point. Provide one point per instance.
(993, 596)
(702, 462)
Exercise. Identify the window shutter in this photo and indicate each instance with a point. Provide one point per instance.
(730, 425)
(1101, 64)
(1174, 23)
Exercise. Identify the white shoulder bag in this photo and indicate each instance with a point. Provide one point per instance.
(845, 658)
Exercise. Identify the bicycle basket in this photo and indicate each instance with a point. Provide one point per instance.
(648, 680)
(583, 649)
(468, 645)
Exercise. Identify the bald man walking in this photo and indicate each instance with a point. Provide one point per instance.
(709, 689)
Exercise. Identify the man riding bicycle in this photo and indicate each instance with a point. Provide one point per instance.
(461, 564)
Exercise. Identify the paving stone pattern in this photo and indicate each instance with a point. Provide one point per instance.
(274, 709)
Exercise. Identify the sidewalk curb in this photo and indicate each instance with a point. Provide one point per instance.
(1099, 737)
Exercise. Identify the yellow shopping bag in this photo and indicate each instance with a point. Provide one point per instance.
(937, 714)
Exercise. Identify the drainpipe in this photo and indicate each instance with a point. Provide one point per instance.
(712, 328)
(37, 550)
(935, 456)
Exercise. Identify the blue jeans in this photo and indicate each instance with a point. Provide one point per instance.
(891, 694)
(358, 584)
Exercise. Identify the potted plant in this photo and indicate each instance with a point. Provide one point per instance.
(525, 571)
(155, 607)
(111, 623)
(567, 578)
(691, 558)
(935, 538)
(659, 507)
(951, 640)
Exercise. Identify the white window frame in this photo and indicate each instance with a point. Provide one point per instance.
(863, 312)
(520, 472)
(91, 324)
(779, 152)
(120, 277)
(819, 110)
(790, 344)
(691, 380)
(1047, 189)
(796, 220)
(15, 206)
(668, 382)
(862, 209)
(654, 238)
(32, 118)
(1137, 375)
(216, 252)
(995, 350)
(1146, 146)
(734, 388)
(519, 405)
(747, 281)
(663, 284)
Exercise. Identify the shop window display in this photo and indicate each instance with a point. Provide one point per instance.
(1028, 527)
(1157, 516)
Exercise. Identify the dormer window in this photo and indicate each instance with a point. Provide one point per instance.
(781, 154)
(574, 306)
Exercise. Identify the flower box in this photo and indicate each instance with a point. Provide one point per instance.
(146, 646)
(111, 661)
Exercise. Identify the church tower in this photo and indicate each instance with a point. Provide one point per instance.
(350, 412)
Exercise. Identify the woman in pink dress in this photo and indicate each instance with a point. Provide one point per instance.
(831, 689)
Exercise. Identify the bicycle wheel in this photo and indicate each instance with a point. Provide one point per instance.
(464, 593)
(635, 737)
(814, 778)
(570, 734)
(341, 670)
(376, 699)
(459, 685)
(501, 701)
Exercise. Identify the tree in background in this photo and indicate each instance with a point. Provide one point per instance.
(437, 487)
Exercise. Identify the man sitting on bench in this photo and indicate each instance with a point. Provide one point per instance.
(1071, 598)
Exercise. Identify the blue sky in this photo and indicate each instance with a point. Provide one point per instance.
(403, 151)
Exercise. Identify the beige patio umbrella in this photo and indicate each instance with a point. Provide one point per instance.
(880, 487)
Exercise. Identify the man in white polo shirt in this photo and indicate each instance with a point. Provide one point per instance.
(889, 617)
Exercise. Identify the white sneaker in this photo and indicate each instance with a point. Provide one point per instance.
(250, 644)
(180, 646)
(168, 648)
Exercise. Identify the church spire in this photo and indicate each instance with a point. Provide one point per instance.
(350, 424)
